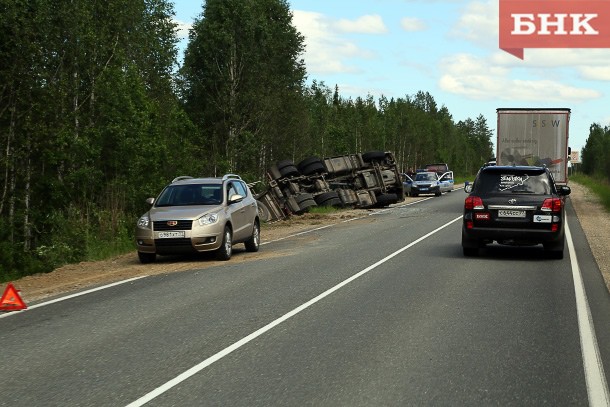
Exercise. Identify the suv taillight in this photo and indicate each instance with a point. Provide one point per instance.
(473, 202)
(552, 205)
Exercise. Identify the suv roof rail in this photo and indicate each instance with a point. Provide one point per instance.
(180, 178)
(232, 176)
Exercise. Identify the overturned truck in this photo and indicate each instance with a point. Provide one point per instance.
(364, 180)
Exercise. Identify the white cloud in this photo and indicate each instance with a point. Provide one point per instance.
(369, 24)
(479, 23)
(326, 50)
(412, 24)
(480, 78)
(182, 29)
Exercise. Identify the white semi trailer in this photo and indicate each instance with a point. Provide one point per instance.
(531, 136)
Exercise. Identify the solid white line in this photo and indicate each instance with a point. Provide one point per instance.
(42, 304)
(199, 367)
(597, 387)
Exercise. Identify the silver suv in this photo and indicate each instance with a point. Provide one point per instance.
(199, 215)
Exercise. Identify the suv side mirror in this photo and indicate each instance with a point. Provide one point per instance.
(235, 198)
(150, 201)
(564, 190)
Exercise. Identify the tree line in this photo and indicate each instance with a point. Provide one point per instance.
(96, 115)
(596, 152)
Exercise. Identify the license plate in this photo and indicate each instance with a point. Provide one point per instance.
(503, 213)
(172, 234)
(423, 189)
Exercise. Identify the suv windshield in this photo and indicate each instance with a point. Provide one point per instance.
(510, 182)
(191, 194)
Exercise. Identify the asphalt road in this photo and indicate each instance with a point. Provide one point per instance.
(380, 311)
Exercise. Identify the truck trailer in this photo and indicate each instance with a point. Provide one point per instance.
(534, 137)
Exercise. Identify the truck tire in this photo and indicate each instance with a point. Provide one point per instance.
(311, 165)
(263, 211)
(287, 168)
(386, 199)
(373, 156)
(305, 201)
(290, 171)
(328, 199)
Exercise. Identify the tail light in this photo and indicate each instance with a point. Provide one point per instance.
(473, 202)
(552, 205)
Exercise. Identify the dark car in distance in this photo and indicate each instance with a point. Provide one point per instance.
(514, 205)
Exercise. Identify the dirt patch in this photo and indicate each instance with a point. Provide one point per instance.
(594, 220)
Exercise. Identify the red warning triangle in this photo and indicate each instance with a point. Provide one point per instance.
(11, 301)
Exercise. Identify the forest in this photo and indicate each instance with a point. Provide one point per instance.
(96, 115)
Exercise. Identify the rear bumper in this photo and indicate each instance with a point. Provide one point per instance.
(476, 236)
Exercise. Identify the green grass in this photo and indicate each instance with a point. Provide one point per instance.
(599, 186)
(323, 209)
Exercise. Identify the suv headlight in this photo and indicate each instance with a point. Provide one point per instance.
(208, 219)
(144, 222)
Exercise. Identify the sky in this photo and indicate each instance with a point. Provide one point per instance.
(448, 48)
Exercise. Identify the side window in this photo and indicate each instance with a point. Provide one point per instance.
(241, 189)
(231, 190)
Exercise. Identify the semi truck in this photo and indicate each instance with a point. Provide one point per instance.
(534, 136)
(361, 180)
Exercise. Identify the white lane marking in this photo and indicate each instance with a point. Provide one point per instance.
(214, 358)
(597, 387)
(347, 220)
(42, 304)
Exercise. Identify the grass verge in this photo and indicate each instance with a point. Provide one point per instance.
(597, 185)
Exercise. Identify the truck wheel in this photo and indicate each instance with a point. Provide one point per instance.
(373, 156)
(386, 199)
(305, 201)
(287, 168)
(328, 199)
(290, 171)
(311, 165)
(263, 211)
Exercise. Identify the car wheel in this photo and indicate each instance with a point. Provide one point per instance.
(146, 258)
(470, 251)
(254, 242)
(555, 251)
(437, 193)
(226, 248)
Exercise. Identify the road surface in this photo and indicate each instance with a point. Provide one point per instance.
(383, 310)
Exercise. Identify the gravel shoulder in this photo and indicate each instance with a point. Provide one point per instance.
(593, 218)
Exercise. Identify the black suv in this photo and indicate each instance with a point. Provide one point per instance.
(514, 206)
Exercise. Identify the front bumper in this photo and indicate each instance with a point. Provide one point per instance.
(196, 240)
